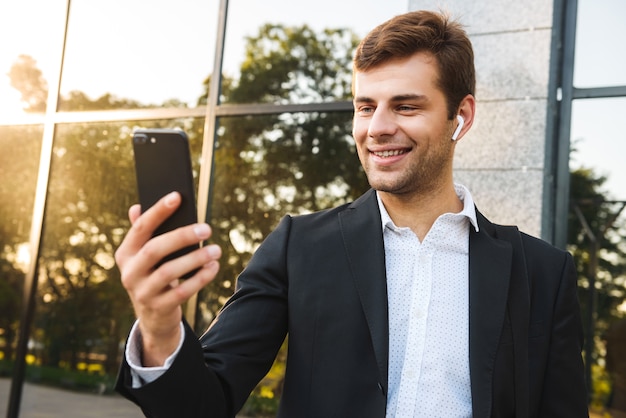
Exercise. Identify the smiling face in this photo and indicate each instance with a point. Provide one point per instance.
(400, 126)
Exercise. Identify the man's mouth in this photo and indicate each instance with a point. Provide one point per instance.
(389, 153)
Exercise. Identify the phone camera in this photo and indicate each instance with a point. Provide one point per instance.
(141, 139)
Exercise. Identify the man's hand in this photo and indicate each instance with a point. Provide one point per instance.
(157, 294)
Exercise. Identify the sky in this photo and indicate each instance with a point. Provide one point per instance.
(149, 68)
(598, 131)
(113, 59)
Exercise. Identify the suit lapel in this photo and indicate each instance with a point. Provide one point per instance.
(489, 276)
(362, 236)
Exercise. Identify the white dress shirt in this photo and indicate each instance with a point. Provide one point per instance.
(140, 374)
(428, 296)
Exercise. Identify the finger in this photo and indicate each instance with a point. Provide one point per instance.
(144, 225)
(162, 277)
(175, 296)
(141, 265)
(165, 244)
(133, 213)
(149, 221)
(167, 299)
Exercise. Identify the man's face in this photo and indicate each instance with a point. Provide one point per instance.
(400, 126)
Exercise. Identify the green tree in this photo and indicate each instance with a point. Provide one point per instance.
(265, 166)
(29, 81)
(295, 64)
(83, 308)
(597, 241)
(18, 179)
(270, 165)
(595, 217)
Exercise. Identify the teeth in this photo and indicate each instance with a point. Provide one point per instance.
(392, 153)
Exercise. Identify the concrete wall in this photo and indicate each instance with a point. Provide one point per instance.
(501, 159)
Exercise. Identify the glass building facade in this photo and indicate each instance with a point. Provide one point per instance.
(263, 91)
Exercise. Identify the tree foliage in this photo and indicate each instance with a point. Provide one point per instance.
(597, 242)
(264, 166)
(270, 165)
(595, 217)
(29, 81)
(18, 180)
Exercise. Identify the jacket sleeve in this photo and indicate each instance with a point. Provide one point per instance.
(214, 375)
(187, 389)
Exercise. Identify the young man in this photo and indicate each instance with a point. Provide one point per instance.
(405, 303)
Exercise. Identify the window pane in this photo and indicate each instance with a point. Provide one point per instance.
(598, 141)
(600, 33)
(266, 167)
(31, 35)
(136, 54)
(82, 312)
(19, 164)
(597, 238)
(279, 52)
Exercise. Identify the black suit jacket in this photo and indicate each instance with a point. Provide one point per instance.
(320, 278)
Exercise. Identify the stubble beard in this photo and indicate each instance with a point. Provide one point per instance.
(422, 177)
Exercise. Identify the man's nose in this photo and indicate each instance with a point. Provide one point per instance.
(382, 123)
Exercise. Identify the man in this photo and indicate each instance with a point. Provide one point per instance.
(404, 303)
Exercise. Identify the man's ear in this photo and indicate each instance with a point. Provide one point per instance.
(465, 112)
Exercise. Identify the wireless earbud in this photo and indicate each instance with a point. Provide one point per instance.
(457, 131)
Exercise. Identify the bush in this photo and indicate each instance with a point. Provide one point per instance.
(75, 380)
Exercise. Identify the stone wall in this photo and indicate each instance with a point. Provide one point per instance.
(501, 159)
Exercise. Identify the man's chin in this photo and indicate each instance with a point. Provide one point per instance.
(389, 188)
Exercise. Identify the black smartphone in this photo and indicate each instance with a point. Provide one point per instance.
(163, 165)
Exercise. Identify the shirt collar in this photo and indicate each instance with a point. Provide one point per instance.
(469, 210)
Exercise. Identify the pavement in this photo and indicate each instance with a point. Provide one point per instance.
(46, 402)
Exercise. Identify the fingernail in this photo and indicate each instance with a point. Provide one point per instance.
(214, 250)
(202, 231)
(170, 199)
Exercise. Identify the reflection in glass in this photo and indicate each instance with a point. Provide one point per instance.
(82, 313)
(599, 30)
(266, 167)
(293, 65)
(133, 54)
(616, 366)
(599, 142)
(31, 35)
(282, 51)
(597, 237)
(19, 163)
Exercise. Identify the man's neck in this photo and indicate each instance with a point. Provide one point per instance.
(419, 211)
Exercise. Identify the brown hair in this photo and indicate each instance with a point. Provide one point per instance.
(424, 31)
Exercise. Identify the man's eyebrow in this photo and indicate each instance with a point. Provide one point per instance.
(409, 97)
(363, 99)
(396, 98)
